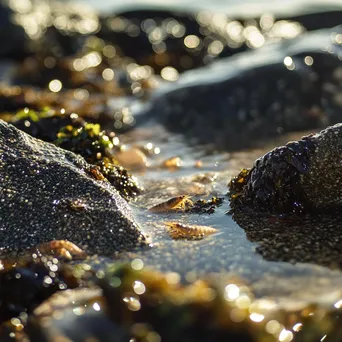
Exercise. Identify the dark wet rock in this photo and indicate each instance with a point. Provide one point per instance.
(40, 25)
(27, 282)
(256, 95)
(156, 37)
(324, 18)
(302, 176)
(45, 124)
(187, 39)
(16, 45)
(38, 179)
(13, 98)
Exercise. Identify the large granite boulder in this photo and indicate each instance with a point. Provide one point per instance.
(47, 193)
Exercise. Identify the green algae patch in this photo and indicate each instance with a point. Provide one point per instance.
(89, 141)
(72, 133)
(124, 182)
(44, 124)
(98, 149)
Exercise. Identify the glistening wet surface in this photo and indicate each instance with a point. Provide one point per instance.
(161, 82)
(291, 260)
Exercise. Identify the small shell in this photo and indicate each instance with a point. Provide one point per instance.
(61, 248)
(173, 203)
(191, 232)
(172, 163)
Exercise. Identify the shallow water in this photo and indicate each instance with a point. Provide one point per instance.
(229, 251)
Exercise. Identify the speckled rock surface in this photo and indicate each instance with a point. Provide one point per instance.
(323, 182)
(301, 177)
(47, 193)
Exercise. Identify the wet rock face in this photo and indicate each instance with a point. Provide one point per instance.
(273, 184)
(322, 184)
(300, 177)
(47, 193)
(255, 95)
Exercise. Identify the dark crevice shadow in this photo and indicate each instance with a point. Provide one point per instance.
(309, 239)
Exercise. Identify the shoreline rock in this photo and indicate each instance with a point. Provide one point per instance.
(47, 193)
(301, 177)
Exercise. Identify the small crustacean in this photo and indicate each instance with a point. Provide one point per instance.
(95, 172)
(61, 248)
(191, 232)
(174, 203)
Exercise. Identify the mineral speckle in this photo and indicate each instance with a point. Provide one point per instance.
(36, 177)
(322, 184)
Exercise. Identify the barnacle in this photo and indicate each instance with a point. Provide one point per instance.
(125, 183)
(203, 206)
(61, 248)
(273, 184)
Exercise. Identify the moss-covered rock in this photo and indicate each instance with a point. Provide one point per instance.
(71, 132)
(123, 182)
(98, 148)
(44, 124)
(88, 141)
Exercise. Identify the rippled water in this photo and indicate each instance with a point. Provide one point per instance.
(228, 251)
